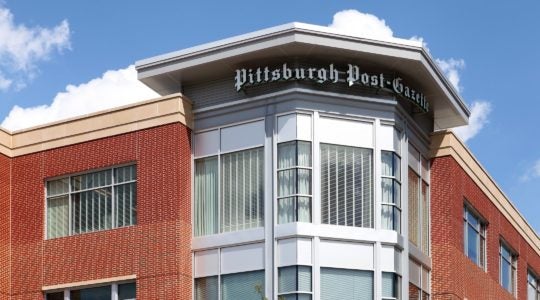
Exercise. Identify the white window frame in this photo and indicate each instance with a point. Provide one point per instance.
(513, 267)
(394, 180)
(114, 289)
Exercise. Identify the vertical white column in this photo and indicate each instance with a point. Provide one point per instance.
(269, 204)
(377, 277)
(66, 295)
(114, 291)
(405, 212)
(316, 207)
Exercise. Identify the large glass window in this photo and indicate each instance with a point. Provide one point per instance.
(507, 266)
(533, 289)
(474, 237)
(346, 185)
(391, 191)
(240, 202)
(294, 182)
(91, 202)
(346, 284)
(294, 283)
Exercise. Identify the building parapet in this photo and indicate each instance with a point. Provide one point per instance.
(141, 115)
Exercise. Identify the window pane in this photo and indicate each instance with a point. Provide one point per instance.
(55, 296)
(304, 181)
(57, 217)
(506, 280)
(206, 288)
(287, 155)
(387, 214)
(126, 205)
(242, 190)
(414, 206)
(97, 293)
(127, 291)
(472, 244)
(346, 186)
(58, 187)
(346, 284)
(286, 182)
(304, 209)
(287, 278)
(425, 218)
(206, 196)
(246, 286)
(389, 285)
(387, 160)
(286, 213)
(123, 174)
(387, 190)
(304, 279)
(304, 154)
(91, 180)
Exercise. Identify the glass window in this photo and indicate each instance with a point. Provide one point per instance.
(533, 289)
(246, 286)
(91, 202)
(294, 282)
(346, 186)
(391, 191)
(474, 237)
(391, 285)
(206, 288)
(97, 293)
(507, 269)
(127, 291)
(239, 204)
(294, 182)
(418, 211)
(55, 296)
(346, 284)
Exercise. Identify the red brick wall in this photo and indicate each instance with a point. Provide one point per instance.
(5, 182)
(157, 249)
(454, 276)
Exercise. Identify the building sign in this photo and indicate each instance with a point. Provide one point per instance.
(353, 76)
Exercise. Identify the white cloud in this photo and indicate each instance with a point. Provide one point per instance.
(532, 172)
(114, 88)
(22, 47)
(357, 23)
(480, 111)
(4, 82)
(451, 68)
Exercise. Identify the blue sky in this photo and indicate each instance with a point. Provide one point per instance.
(495, 47)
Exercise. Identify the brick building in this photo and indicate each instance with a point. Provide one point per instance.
(289, 163)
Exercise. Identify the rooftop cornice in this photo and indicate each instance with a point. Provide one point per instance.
(141, 115)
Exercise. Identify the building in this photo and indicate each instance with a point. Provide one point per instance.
(289, 163)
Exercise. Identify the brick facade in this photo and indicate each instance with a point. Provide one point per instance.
(157, 250)
(454, 276)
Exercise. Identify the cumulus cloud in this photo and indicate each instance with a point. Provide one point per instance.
(451, 68)
(480, 111)
(357, 23)
(22, 47)
(532, 172)
(114, 88)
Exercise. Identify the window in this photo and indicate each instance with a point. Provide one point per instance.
(241, 198)
(416, 293)
(391, 191)
(474, 236)
(247, 285)
(294, 182)
(122, 291)
(418, 197)
(90, 202)
(391, 285)
(346, 185)
(533, 289)
(346, 284)
(507, 269)
(206, 288)
(294, 283)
